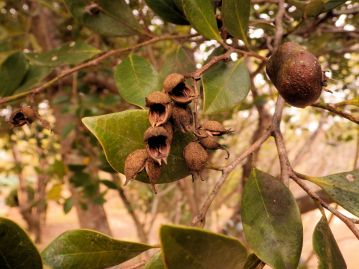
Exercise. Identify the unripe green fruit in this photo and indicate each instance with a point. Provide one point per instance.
(296, 73)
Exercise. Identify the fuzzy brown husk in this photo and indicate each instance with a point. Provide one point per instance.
(157, 143)
(214, 128)
(296, 73)
(160, 108)
(22, 116)
(135, 163)
(153, 170)
(195, 156)
(182, 117)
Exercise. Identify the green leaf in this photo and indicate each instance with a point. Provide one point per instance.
(236, 17)
(331, 4)
(33, 77)
(193, 248)
(135, 78)
(326, 247)
(252, 262)
(121, 133)
(16, 249)
(156, 262)
(179, 60)
(343, 188)
(90, 250)
(200, 14)
(71, 53)
(68, 204)
(107, 17)
(225, 85)
(271, 221)
(168, 11)
(12, 72)
(109, 184)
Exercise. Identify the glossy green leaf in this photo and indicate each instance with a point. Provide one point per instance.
(193, 248)
(16, 249)
(71, 53)
(200, 13)
(168, 11)
(179, 60)
(89, 249)
(122, 133)
(252, 262)
(343, 188)
(326, 247)
(156, 262)
(225, 85)
(136, 78)
(33, 77)
(314, 8)
(271, 221)
(236, 17)
(12, 71)
(107, 17)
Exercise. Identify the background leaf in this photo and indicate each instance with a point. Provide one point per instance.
(33, 77)
(89, 249)
(168, 11)
(16, 249)
(236, 17)
(109, 18)
(343, 188)
(252, 262)
(200, 14)
(271, 221)
(136, 78)
(122, 133)
(71, 53)
(225, 85)
(10, 80)
(326, 247)
(155, 262)
(192, 248)
(331, 4)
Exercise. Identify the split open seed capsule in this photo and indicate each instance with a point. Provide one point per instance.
(134, 164)
(157, 144)
(22, 116)
(160, 107)
(182, 117)
(177, 89)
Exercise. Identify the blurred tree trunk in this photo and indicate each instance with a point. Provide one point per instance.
(93, 216)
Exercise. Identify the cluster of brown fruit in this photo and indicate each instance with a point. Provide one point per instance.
(297, 74)
(168, 110)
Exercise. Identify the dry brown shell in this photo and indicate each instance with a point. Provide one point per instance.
(22, 116)
(211, 142)
(174, 84)
(160, 107)
(182, 117)
(135, 163)
(153, 170)
(195, 156)
(158, 144)
(215, 128)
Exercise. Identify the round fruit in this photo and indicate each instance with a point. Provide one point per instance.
(296, 73)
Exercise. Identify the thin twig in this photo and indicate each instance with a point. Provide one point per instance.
(337, 111)
(279, 24)
(94, 62)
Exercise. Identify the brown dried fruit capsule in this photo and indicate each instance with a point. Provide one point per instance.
(177, 89)
(169, 128)
(215, 128)
(157, 143)
(210, 142)
(182, 117)
(296, 73)
(160, 107)
(195, 157)
(153, 170)
(22, 116)
(135, 163)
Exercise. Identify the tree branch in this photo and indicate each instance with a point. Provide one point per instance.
(337, 111)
